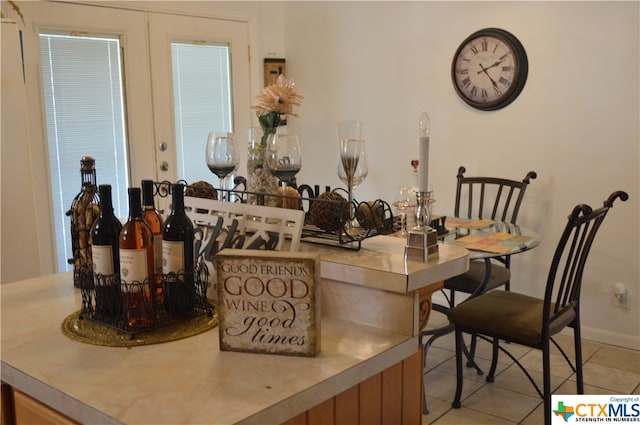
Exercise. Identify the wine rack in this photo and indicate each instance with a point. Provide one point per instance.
(328, 221)
(136, 307)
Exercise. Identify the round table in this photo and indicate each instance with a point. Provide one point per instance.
(487, 239)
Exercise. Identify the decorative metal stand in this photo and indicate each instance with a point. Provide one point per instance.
(327, 219)
(133, 308)
(422, 241)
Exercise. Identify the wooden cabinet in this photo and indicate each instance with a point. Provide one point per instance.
(18, 409)
(393, 396)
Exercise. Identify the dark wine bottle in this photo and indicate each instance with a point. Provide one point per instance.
(153, 218)
(105, 253)
(178, 257)
(136, 265)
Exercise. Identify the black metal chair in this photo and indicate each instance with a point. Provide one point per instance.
(512, 317)
(494, 198)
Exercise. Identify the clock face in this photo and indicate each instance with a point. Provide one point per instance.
(489, 69)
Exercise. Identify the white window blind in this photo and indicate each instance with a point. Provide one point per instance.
(202, 103)
(83, 97)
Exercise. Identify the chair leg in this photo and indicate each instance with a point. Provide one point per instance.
(459, 353)
(471, 362)
(546, 371)
(472, 350)
(435, 334)
(577, 342)
(494, 361)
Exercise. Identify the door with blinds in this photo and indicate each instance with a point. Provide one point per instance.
(89, 73)
(202, 65)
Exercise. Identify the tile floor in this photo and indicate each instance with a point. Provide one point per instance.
(511, 399)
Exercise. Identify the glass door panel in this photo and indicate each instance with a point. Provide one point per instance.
(83, 102)
(202, 102)
(204, 64)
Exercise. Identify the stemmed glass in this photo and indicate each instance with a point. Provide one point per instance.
(352, 160)
(283, 157)
(402, 204)
(360, 173)
(222, 158)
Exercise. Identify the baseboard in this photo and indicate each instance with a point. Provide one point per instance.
(608, 337)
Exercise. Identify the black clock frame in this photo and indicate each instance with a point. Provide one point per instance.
(521, 64)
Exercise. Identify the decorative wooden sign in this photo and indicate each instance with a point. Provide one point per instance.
(269, 302)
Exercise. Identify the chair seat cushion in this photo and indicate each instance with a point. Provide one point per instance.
(507, 315)
(468, 282)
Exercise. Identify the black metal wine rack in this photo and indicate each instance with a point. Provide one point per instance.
(371, 218)
(136, 307)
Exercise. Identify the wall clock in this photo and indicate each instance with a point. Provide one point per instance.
(489, 69)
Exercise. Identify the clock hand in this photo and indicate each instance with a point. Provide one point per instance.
(490, 66)
(485, 71)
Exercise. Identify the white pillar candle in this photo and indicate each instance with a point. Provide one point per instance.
(424, 126)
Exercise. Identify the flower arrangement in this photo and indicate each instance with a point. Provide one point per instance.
(275, 103)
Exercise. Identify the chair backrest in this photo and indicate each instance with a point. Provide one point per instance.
(562, 293)
(221, 224)
(248, 225)
(490, 197)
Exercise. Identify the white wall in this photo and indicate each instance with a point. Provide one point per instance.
(575, 123)
(18, 207)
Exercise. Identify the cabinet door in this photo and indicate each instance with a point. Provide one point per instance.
(29, 411)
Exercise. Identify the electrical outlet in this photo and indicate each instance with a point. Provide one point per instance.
(619, 295)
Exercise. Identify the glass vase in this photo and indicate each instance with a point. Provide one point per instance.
(260, 181)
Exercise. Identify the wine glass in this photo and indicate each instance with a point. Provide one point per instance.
(222, 158)
(360, 173)
(402, 203)
(283, 157)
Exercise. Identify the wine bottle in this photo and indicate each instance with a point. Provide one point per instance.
(152, 217)
(136, 265)
(178, 257)
(105, 254)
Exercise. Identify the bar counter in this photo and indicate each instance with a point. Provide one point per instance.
(371, 301)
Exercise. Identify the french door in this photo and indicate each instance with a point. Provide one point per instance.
(200, 63)
(166, 102)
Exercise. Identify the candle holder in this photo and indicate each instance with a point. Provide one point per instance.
(422, 240)
(422, 211)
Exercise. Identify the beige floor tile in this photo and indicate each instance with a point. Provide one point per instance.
(536, 417)
(437, 408)
(508, 405)
(569, 387)
(589, 348)
(514, 379)
(620, 358)
(621, 381)
(436, 356)
(470, 373)
(443, 386)
(532, 361)
(448, 342)
(470, 417)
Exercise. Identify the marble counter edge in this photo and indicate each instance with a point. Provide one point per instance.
(52, 397)
(391, 272)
